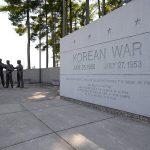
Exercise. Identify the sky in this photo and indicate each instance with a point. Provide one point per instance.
(14, 47)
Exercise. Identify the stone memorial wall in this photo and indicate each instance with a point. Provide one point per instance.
(108, 61)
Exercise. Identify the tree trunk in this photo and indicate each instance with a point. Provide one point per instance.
(99, 9)
(54, 44)
(28, 36)
(46, 37)
(53, 37)
(103, 8)
(40, 56)
(66, 21)
(75, 22)
(40, 21)
(70, 16)
(64, 18)
(87, 11)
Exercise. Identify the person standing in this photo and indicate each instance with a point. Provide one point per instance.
(19, 68)
(9, 70)
(1, 72)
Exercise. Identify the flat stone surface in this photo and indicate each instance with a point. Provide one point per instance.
(18, 127)
(111, 134)
(84, 128)
(27, 94)
(10, 108)
(45, 104)
(61, 102)
(49, 142)
(64, 117)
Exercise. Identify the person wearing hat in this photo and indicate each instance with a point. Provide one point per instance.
(9, 70)
(19, 68)
(1, 72)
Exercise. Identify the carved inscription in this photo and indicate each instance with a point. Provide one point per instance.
(86, 59)
(106, 88)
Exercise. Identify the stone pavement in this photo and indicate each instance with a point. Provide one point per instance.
(35, 118)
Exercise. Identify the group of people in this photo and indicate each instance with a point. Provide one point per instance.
(9, 69)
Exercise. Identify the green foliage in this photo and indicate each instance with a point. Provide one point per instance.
(20, 29)
(114, 4)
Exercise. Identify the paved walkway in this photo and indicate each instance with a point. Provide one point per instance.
(35, 118)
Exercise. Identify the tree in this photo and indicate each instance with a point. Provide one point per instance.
(57, 17)
(103, 8)
(70, 15)
(112, 5)
(28, 28)
(64, 18)
(99, 8)
(87, 11)
(46, 34)
(19, 16)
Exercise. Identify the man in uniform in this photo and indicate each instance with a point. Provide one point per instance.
(1, 72)
(19, 68)
(9, 70)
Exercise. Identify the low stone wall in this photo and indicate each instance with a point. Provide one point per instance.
(48, 75)
(51, 75)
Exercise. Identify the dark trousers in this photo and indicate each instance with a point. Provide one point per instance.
(2, 78)
(9, 79)
(20, 82)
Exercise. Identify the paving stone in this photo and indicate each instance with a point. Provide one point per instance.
(45, 104)
(10, 108)
(111, 134)
(27, 94)
(49, 142)
(18, 127)
(23, 131)
(64, 117)
(61, 102)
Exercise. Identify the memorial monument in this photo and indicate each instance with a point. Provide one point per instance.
(108, 61)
